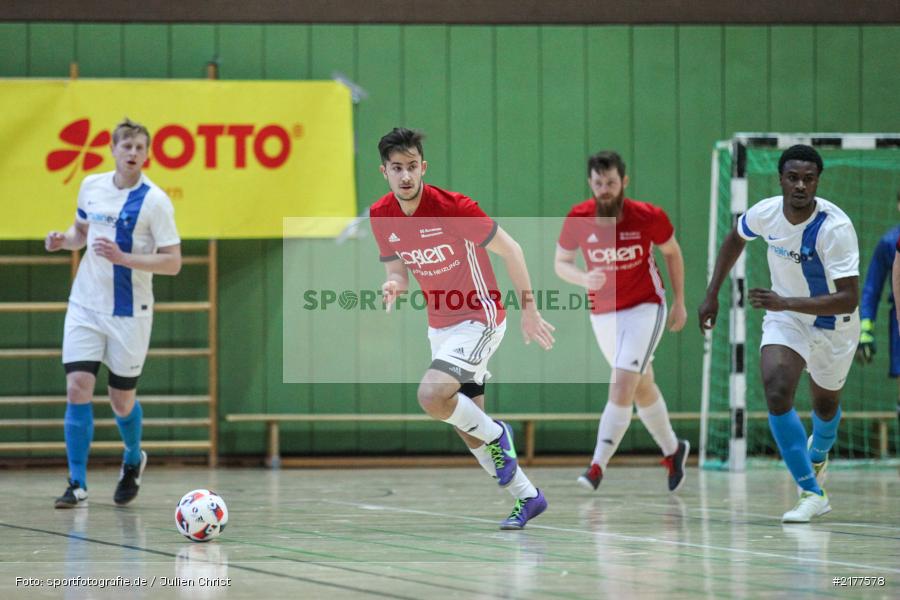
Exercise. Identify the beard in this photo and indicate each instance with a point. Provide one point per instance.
(610, 208)
(412, 194)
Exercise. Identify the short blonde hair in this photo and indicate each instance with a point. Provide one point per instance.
(128, 129)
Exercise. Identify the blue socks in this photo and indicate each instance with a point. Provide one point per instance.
(130, 429)
(824, 434)
(79, 428)
(791, 438)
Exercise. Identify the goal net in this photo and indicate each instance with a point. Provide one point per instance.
(862, 176)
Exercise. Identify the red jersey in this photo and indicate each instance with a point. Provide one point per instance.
(637, 280)
(442, 243)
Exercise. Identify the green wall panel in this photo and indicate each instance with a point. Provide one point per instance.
(380, 71)
(425, 100)
(14, 49)
(746, 78)
(242, 373)
(51, 48)
(282, 398)
(240, 51)
(471, 106)
(511, 114)
(519, 174)
(880, 84)
(15, 374)
(792, 79)
(700, 121)
(654, 168)
(146, 51)
(610, 89)
(334, 50)
(192, 47)
(519, 144)
(286, 52)
(564, 118)
(99, 49)
(837, 80)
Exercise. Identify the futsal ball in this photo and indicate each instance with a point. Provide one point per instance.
(201, 515)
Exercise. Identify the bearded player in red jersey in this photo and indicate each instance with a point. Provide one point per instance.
(628, 306)
(443, 238)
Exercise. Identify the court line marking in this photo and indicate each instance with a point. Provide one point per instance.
(629, 538)
(554, 570)
(605, 577)
(230, 565)
(425, 583)
(766, 516)
(375, 574)
(778, 519)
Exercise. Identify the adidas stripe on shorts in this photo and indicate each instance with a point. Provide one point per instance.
(468, 346)
(628, 337)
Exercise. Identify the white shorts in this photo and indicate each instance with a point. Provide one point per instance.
(121, 343)
(628, 337)
(466, 348)
(828, 353)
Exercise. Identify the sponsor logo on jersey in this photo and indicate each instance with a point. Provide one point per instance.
(629, 235)
(613, 255)
(592, 239)
(431, 232)
(101, 219)
(427, 256)
(393, 238)
(787, 254)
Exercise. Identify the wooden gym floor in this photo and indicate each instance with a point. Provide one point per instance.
(432, 533)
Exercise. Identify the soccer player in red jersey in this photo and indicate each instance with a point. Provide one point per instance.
(616, 236)
(443, 238)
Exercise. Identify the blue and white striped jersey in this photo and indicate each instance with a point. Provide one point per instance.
(805, 259)
(140, 219)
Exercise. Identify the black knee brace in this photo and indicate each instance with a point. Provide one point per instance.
(85, 366)
(472, 389)
(122, 383)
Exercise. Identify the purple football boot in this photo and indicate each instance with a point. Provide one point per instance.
(524, 511)
(503, 453)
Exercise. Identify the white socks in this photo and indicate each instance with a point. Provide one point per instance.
(470, 419)
(656, 419)
(520, 487)
(484, 459)
(613, 424)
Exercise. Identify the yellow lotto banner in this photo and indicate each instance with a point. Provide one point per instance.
(235, 157)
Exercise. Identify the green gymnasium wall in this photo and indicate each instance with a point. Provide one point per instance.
(511, 114)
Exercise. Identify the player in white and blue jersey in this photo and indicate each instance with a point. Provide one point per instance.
(128, 224)
(811, 318)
